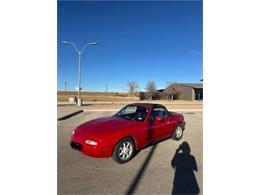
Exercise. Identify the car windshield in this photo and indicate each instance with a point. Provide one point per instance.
(133, 113)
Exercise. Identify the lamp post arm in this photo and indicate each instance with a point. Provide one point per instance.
(84, 47)
(75, 47)
(73, 44)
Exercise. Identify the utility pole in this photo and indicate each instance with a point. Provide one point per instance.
(106, 89)
(65, 86)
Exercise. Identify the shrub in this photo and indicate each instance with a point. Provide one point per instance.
(142, 96)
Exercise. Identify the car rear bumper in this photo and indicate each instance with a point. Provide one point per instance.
(89, 150)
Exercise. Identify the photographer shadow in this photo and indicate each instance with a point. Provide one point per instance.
(184, 164)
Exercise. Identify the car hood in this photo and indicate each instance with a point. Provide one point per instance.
(103, 125)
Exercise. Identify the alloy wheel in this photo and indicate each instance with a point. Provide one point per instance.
(125, 150)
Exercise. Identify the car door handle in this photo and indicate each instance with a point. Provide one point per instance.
(168, 122)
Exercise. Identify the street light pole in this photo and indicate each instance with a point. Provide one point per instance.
(79, 52)
(79, 76)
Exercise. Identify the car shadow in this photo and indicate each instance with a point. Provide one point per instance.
(184, 163)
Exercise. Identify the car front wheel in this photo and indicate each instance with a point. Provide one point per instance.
(178, 133)
(124, 151)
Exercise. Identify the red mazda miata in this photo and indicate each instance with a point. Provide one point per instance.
(134, 127)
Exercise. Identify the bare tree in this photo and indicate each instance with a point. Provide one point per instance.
(168, 84)
(132, 87)
(151, 88)
(170, 91)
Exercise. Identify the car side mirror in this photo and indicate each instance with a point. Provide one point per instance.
(158, 119)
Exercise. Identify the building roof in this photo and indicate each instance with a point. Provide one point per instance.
(169, 90)
(192, 85)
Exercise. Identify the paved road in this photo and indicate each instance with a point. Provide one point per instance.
(150, 172)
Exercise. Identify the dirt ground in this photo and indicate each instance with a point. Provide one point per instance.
(98, 96)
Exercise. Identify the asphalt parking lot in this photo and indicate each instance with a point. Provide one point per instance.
(149, 172)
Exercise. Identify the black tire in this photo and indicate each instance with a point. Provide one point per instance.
(129, 153)
(178, 133)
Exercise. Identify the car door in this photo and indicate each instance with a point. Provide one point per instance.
(158, 130)
(170, 125)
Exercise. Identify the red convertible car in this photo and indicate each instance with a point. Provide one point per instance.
(134, 127)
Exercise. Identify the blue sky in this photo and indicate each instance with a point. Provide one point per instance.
(141, 41)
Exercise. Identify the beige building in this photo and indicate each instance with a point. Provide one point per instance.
(183, 91)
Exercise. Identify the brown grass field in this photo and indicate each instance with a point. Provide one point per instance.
(97, 96)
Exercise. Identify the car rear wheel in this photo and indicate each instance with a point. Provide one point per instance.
(178, 133)
(124, 151)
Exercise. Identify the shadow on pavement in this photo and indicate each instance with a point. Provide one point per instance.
(141, 171)
(150, 140)
(69, 115)
(184, 164)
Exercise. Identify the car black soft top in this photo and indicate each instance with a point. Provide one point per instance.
(154, 105)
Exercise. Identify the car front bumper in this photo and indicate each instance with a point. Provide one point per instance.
(98, 151)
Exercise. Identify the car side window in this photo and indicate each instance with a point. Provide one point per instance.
(158, 112)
